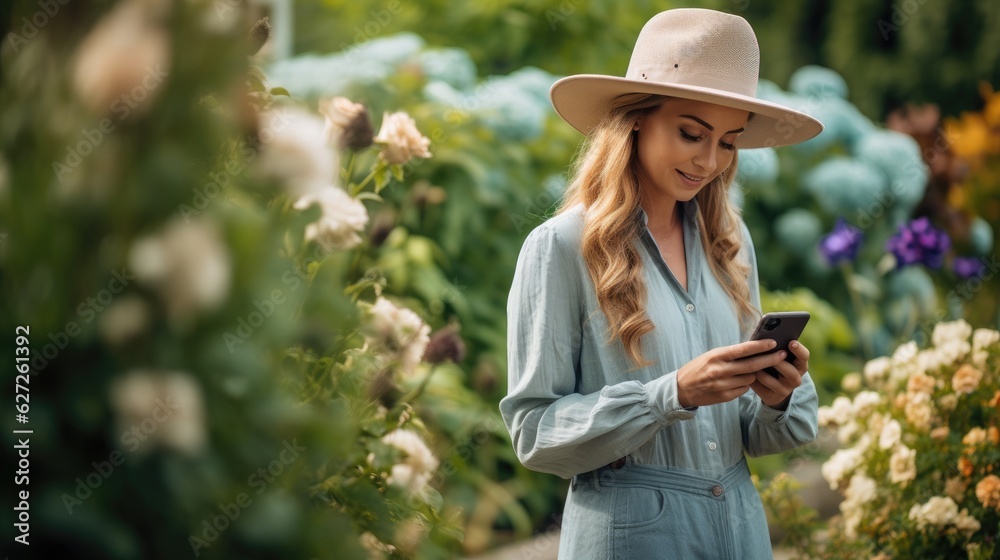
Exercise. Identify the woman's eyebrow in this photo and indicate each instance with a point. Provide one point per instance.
(708, 126)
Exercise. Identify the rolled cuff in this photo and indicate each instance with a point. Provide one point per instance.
(661, 398)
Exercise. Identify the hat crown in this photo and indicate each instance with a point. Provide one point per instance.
(697, 47)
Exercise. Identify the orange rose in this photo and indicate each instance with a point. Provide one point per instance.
(988, 491)
(965, 466)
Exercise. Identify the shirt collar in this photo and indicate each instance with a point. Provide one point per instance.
(690, 209)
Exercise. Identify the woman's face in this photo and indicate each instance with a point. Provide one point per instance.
(684, 144)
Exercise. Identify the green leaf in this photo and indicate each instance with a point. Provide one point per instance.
(397, 171)
(280, 91)
(382, 178)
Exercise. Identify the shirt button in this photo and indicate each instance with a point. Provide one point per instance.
(712, 445)
(716, 491)
(689, 307)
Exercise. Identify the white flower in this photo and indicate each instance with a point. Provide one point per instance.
(851, 382)
(847, 432)
(399, 330)
(865, 402)
(951, 331)
(966, 523)
(903, 465)
(159, 408)
(904, 362)
(859, 492)
(123, 320)
(295, 151)
(842, 410)
(918, 411)
(876, 370)
(402, 140)
(419, 464)
(120, 63)
(342, 219)
(841, 464)
(982, 338)
(891, 432)
(188, 264)
(937, 511)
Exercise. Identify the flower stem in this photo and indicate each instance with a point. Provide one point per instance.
(856, 302)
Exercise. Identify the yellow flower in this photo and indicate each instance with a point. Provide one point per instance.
(988, 491)
(966, 379)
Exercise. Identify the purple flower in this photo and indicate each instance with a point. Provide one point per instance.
(919, 242)
(967, 267)
(841, 244)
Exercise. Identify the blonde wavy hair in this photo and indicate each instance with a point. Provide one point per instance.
(605, 181)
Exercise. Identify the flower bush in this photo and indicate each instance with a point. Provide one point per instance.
(920, 457)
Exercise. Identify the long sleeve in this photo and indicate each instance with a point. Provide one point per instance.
(766, 430)
(554, 428)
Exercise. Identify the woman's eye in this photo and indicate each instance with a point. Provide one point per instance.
(689, 137)
(729, 147)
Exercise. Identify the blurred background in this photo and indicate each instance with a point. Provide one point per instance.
(262, 323)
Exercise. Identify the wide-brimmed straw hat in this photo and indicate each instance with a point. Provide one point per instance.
(690, 53)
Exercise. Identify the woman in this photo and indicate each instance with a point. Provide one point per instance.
(628, 370)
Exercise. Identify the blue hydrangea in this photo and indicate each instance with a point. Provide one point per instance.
(758, 166)
(817, 81)
(770, 91)
(842, 122)
(515, 106)
(897, 156)
(981, 235)
(798, 230)
(844, 186)
(451, 66)
(336, 74)
(444, 93)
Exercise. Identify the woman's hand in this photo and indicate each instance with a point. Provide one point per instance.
(725, 373)
(776, 392)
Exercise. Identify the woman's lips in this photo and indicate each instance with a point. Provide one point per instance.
(690, 180)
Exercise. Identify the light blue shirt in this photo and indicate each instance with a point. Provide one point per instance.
(572, 405)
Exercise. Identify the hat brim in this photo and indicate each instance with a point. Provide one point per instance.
(584, 99)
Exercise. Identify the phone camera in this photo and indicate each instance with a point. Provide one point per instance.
(772, 324)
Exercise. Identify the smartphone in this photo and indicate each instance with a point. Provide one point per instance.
(782, 327)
